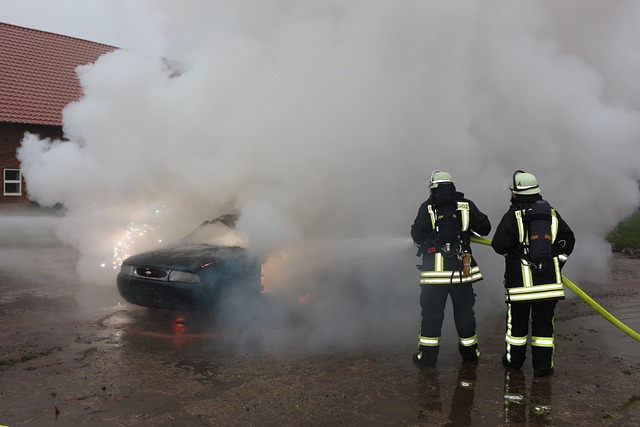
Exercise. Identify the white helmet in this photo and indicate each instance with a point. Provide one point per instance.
(439, 177)
(524, 183)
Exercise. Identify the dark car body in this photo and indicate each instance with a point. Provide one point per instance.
(190, 275)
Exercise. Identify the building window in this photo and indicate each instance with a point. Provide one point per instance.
(12, 182)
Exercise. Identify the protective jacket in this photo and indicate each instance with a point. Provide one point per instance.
(436, 269)
(523, 283)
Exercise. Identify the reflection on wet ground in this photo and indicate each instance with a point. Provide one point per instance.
(177, 328)
(462, 400)
(532, 406)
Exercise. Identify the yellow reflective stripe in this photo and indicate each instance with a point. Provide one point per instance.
(508, 332)
(554, 225)
(520, 226)
(468, 341)
(463, 207)
(439, 262)
(536, 288)
(556, 266)
(527, 276)
(542, 341)
(447, 274)
(432, 215)
(554, 290)
(536, 296)
(515, 340)
(563, 257)
(509, 318)
(429, 341)
(450, 280)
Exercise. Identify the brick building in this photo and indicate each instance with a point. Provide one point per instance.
(37, 80)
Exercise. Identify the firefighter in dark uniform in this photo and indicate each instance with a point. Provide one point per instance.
(447, 275)
(529, 290)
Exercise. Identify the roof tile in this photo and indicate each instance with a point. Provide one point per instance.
(37, 73)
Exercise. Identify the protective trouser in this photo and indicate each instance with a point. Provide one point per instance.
(542, 344)
(433, 299)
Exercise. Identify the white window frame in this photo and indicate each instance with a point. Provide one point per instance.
(17, 182)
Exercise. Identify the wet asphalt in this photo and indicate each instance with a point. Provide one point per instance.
(78, 355)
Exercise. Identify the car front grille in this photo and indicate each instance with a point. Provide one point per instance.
(151, 273)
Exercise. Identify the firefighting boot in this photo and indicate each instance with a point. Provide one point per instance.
(426, 356)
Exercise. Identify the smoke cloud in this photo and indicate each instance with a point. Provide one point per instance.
(320, 122)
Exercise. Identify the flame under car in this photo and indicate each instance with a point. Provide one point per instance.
(197, 273)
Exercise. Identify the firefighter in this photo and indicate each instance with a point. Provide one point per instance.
(531, 290)
(446, 273)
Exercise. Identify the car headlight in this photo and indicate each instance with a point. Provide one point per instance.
(127, 269)
(183, 276)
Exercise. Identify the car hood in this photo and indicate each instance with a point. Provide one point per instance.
(185, 257)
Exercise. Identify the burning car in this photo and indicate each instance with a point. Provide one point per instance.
(202, 270)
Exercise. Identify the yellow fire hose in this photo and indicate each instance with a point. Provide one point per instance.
(586, 298)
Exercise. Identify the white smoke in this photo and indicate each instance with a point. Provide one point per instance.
(323, 119)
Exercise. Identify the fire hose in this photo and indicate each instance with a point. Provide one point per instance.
(580, 293)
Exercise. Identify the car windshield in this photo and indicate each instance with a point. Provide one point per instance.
(218, 231)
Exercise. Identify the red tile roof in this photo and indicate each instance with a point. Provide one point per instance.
(37, 73)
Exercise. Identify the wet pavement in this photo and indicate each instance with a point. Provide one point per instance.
(78, 355)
